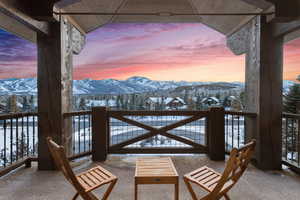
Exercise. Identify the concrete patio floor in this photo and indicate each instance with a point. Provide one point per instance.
(25, 184)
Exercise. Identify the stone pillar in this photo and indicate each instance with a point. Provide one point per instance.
(54, 89)
(263, 89)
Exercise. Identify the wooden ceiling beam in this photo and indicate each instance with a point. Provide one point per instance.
(65, 3)
(262, 4)
(38, 9)
(59, 7)
(286, 10)
(16, 14)
(280, 29)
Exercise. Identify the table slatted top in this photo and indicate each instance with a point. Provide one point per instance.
(155, 167)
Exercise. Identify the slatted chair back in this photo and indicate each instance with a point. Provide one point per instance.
(235, 167)
(62, 163)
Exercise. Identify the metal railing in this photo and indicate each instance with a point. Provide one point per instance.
(18, 138)
(129, 130)
(235, 132)
(81, 133)
(291, 140)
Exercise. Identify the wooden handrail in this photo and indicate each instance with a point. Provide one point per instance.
(77, 113)
(158, 113)
(246, 114)
(17, 115)
(291, 115)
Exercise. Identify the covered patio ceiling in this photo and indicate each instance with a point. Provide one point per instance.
(223, 24)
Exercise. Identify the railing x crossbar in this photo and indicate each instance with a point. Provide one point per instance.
(164, 131)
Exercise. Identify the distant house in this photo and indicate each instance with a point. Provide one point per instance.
(155, 103)
(175, 103)
(111, 103)
(168, 103)
(210, 101)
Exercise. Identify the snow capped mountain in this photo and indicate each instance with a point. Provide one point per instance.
(18, 86)
(112, 86)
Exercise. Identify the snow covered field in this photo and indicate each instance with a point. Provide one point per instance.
(18, 139)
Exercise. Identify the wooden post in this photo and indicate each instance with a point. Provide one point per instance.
(54, 89)
(263, 90)
(216, 133)
(99, 133)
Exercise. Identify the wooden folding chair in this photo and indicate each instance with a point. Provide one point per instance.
(217, 185)
(85, 182)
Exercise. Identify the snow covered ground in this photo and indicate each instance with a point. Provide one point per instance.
(17, 140)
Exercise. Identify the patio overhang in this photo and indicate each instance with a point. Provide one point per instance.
(224, 24)
(30, 16)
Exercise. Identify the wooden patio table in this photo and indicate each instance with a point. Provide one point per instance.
(151, 170)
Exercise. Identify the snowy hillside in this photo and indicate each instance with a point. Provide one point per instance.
(131, 85)
(112, 86)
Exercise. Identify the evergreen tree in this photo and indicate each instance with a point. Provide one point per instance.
(118, 102)
(242, 98)
(122, 102)
(25, 104)
(186, 96)
(226, 102)
(12, 104)
(198, 103)
(107, 102)
(82, 104)
(31, 103)
(141, 104)
(218, 95)
(291, 102)
(162, 104)
(125, 104)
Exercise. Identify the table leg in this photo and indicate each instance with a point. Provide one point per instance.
(176, 191)
(135, 191)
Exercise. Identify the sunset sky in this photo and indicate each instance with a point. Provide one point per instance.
(191, 52)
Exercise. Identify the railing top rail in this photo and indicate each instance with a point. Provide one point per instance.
(291, 115)
(77, 113)
(17, 115)
(159, 113)
(247, 114)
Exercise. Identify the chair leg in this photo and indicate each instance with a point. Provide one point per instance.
(109, 189)
(75, 196)
(189, 186)
(226, 197)
(92, 196)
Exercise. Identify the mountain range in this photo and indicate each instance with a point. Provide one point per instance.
(135, 84)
